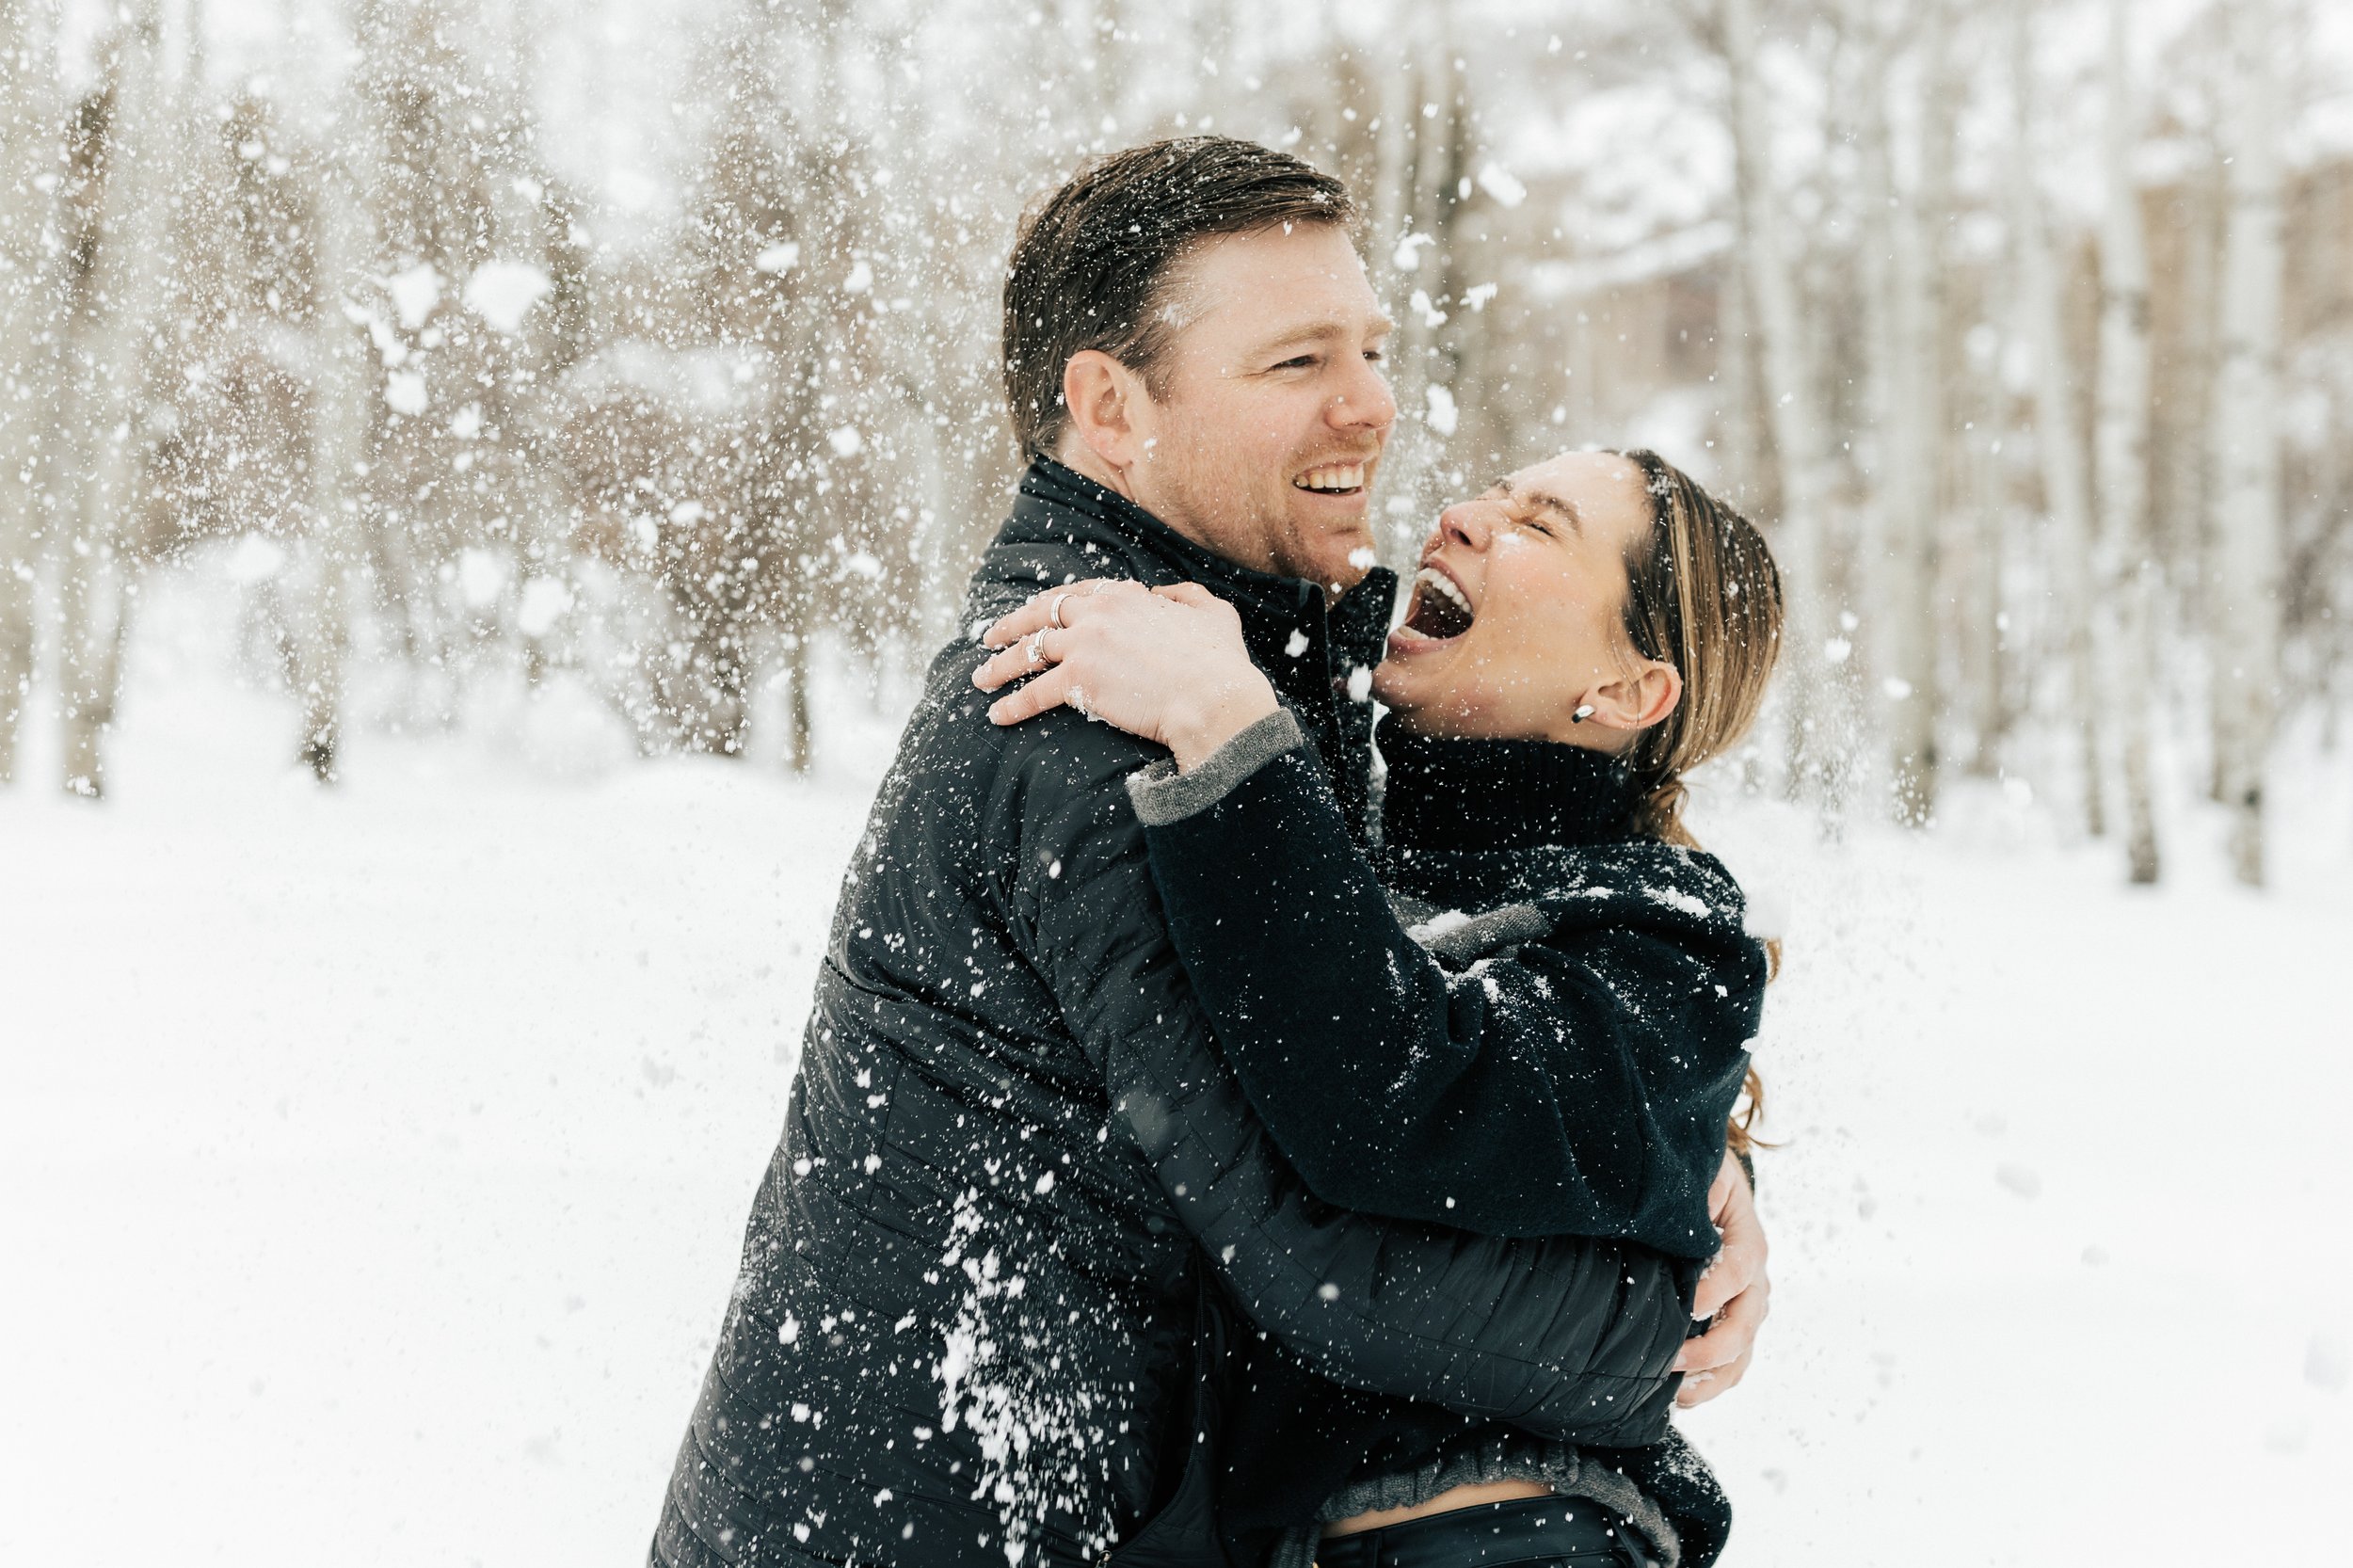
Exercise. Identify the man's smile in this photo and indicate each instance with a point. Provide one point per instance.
(1333, 479)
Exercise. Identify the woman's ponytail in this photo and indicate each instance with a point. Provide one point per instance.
(1706, 597)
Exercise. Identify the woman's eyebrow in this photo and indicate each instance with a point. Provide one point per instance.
(1546, 500)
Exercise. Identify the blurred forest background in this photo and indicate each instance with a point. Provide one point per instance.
(653, 350)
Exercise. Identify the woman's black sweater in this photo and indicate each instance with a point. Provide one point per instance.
(1538, 1027)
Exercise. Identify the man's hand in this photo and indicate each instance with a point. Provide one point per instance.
(1734, 1291)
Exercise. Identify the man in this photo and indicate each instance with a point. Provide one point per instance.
(985, 1279)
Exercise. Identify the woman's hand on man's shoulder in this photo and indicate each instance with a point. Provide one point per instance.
(1166, 664)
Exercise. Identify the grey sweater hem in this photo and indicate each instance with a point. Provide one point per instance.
(1163, 796)
(1513, 1457)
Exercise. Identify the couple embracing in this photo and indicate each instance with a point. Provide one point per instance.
(1193, 1160)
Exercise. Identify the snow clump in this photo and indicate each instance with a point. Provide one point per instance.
(503, 293)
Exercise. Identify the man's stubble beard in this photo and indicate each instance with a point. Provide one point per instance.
(1229, 525)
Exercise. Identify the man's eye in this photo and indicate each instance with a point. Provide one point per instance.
(1374, 356)
(1300, 362)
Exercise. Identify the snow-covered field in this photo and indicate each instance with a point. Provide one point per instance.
(374, 1160)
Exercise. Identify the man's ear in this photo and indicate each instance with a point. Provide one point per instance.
(1641, 699)
(1105, 399)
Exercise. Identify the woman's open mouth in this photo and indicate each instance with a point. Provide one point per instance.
(1440, 610)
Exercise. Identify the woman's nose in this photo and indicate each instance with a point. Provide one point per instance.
(1469, 523)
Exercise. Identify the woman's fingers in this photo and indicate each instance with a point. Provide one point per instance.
(1740, 1261)
(1734, 1291)
(1020, 623)
(1033, 652)
(1053, 689)
(1729, 1338)
(1123, 653)
(1700, 1387)
(1039, 612)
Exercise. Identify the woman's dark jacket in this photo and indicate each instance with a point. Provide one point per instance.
(973, 1290)
(1552, 1046)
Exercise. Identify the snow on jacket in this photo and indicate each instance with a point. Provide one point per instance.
(968, 1318)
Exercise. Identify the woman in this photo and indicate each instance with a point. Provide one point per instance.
(1556, 1045)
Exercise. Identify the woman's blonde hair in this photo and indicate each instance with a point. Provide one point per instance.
(1705, 596)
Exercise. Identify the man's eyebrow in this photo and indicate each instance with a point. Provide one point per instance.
(1319, 331)
(1546, 500)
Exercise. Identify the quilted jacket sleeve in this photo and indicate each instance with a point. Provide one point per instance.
(1568, 1072)
(1566, 1338)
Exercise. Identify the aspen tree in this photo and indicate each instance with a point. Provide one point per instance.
(1417, 261)
(2060, 442)
(1794, 406)
(1919, 413)
(2246, 522)
(340, 419)
(2120, 448)
(118, 328)
(30, 176)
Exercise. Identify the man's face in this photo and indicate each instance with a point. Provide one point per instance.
(1274, 411)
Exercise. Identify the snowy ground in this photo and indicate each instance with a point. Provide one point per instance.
(375, 1159)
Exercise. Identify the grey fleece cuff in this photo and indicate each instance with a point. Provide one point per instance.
(1163, 796)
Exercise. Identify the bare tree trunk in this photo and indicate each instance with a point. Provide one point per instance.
(1916, 493)
(1975, 539)
(30, 120)
(2060, 437)
(2246, 517)
(1747, 461)
(1801, 447)
(2122, 451)
(800, 723)
(1425, 153)
(341, 387)
(124, 296)
(17, 582)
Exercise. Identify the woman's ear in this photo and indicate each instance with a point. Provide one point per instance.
(1103, 397)
(1642, 699)
(1658, 690)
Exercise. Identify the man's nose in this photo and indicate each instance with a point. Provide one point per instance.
(1365, 403)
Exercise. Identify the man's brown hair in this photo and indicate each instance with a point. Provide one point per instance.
(1092, 264)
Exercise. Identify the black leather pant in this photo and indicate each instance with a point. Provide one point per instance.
(1528, 1532)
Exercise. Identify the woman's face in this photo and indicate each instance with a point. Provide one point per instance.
(1516, 618)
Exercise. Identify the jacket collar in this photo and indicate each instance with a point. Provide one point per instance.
(1057, 510)
(1500, 795)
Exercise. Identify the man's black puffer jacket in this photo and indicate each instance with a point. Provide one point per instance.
(964, 1330)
